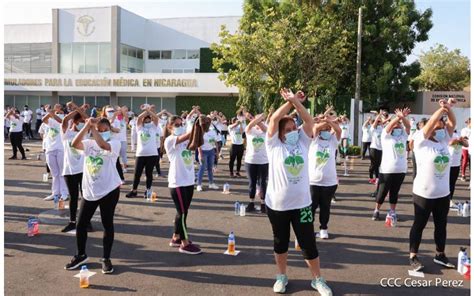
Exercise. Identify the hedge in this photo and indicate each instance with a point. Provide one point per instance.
(351, 150)
(226, 105)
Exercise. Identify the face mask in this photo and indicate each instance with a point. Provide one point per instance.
(147, 125)
(215, 122)
(80, 125)
(105, 135)
(193, 117)
(440, 134)
(178, 131)
(325, 135)
(110, 114)
(60, 115)
(164, 117)
(292, 138)
(396, 132)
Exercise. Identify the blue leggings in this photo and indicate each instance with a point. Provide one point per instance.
(207, 163)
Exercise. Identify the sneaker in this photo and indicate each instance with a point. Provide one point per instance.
(131, 194)
(199, 188)
(320, 285)
(333, 199)
(416, 264)
(250, 207)
(107, 266)
(24, 158)
(441, 259)
(323, 234)
(463, 178)
(376, 216)
(65, 197)
(90, 228)
(280, 284)
(156, 176)
(190, 249)
(124, 170)
(213, 186)
(232, 175)
(49, 197)
(175, 243)
(13, 157)
(263, 208)
(76, 261)
(372, 181)
(452, 204)
(69, 227)
(238, 174)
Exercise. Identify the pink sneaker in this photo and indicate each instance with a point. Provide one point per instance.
(190, 249)
(175, 243)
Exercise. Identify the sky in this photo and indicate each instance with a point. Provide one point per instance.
(451, 18)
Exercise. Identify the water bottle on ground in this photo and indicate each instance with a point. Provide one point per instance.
(237, 208)
(242, 210)
(30, 227)
(466, 209)
(154, 197)
(226, 188)
(84, 277)
(231, 243)
(56, 202)
(61, 204)
(462, 258)
(459, 207)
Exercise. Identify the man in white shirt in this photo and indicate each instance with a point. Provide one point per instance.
(27, 118)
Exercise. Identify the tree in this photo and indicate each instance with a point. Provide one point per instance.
(443, 70)
(312, 45)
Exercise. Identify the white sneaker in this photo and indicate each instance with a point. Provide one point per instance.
(280, 284)
(65, 197)
(323, 234)
(122, 182)
(124, 170)
(213, 186)
(452, 204)
(48, 198)
(156, 176)
(199, 188)
(320, 285)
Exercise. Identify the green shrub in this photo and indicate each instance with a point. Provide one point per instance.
(351, 150)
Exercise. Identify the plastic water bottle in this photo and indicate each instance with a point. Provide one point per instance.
(242, 210)
(226, 188)
(30, 227)
(237, 208)
(231, 243)
(154, 197)
(297, 245)
(61, 204)
(459, 207)
(466, 209)
(84, 277)
(148, 194)
(462, 258)
(45, 177)
(56, 202)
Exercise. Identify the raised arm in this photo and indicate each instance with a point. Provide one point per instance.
(77, 141)
(66, 119)
(278, 114)
(257, 120)
(430, 126)
(297, 101)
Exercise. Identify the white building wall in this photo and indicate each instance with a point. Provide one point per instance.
(133, 29)
(29, 33)
(156, 66)
(85, 25)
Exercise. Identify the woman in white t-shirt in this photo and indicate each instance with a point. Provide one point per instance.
(366, 136)
(206, 154)
(73, 159)
(256, 161)
(133, 132)
(119, 120)
(147, 151)
(375, 151)
(431, 185)
(322, 169)
(16, 132)
(100, 188)
(288, 198)
(345, 135)
(393, 167)
(236, 131)
(55, 152)
(111, 114)
(180, 182)
(455, 147)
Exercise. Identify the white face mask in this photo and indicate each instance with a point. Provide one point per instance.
(178, 131)
(291, 138)
(60, 115)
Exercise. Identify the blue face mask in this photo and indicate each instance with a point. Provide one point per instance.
(105, 135)
(147, 125)
(396, 132)
(292, 138)
(178, 131)
(439, 135)
(80, 125)
(325, 135)
(110, 114)
(60, 115)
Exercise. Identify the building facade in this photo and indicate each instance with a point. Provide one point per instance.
(108, 55)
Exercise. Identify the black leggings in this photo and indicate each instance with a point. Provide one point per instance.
(322, 196)
(107, 209)
(27, 129)
(16, 139)
(375, 160)
(453, 177)
(344, 147)
(182, 197)
(157, 165)
(218, 152)
(236, 151)
(74, 186)
(257, 173)
(423, 208)
(147, 162)
(302, 222)
(119, 169)
(389, 183)
(365, 147)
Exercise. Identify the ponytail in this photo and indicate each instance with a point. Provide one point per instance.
(197, 133)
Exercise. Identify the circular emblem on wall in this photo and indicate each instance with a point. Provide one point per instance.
(85, 25)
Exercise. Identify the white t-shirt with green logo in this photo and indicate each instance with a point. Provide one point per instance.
(53, 138)
(455, 152)
(288, 180)
(73, 158)
(158, 134)
(394, 153)
(256, 152)
(236, 135)
(376, 142)
(210, 139)
(344, 130)
(16, 124)
(432, 163)
(100, 171)
(146, 140)
(322, 161)
(181, 172)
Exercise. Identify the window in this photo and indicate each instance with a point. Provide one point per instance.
(92, 58)
(188, 70)
(63, 100)
(179, 54)
(91, 101)
(193, 54)
(154, 55)
(166, 54)
(102, 101)
(131, 59)
(166, 71)
(105, 58)
(78, 65)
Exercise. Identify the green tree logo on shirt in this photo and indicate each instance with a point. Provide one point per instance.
(212, 141)
(13, 125)
(322, 157)
(145, 136)
(257, 143)
(53, 132)
(400, 148)
(457, 148)
(441, 163)
(94, 164)
(187, 157)
(294, 164)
